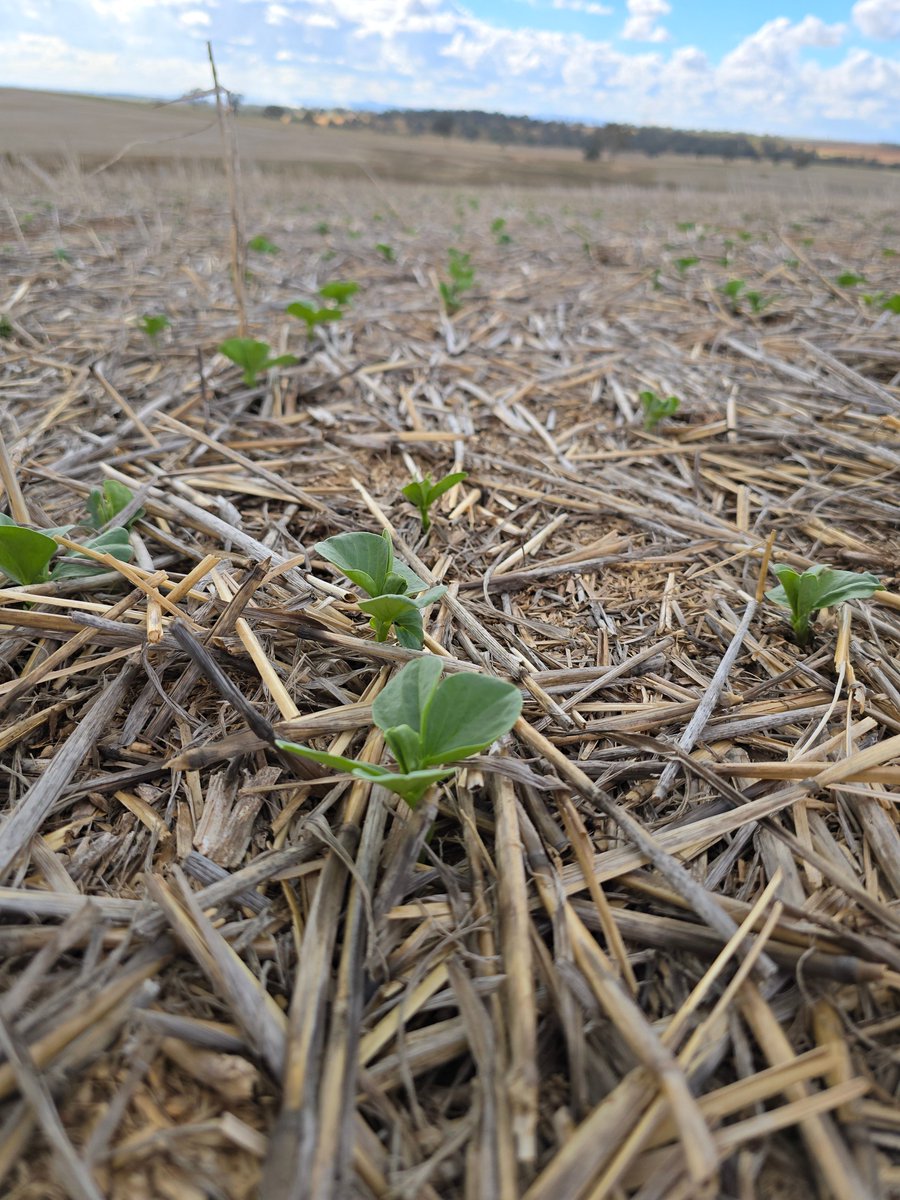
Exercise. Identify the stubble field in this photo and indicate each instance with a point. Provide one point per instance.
(649, 945)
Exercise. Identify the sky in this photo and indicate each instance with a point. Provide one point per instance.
(819, 68)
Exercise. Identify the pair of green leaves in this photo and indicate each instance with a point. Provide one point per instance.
(25, 554)
(462, 278)
(338, 290)
(253, 357)
(104, 504)
(154, 323)
(396, 594)
(819, 587)
(423, 493)
(428, 722)
(656, 407)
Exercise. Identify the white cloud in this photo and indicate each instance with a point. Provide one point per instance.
(127, 10)
(642, 24)
(437, 53)
(195, 17)
(878, 18)
(584, 6)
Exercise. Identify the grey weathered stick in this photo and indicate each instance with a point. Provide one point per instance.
(25, 819)
(710, 698)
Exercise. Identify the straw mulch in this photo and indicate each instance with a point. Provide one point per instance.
(651, 945)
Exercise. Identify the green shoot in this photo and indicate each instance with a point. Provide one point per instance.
(892, 303)
(261, 245)
(313, 316)
(849, 279)
(498, 229)
(462, 278)
(113, 541)
(428, 722)
(153, 324)
(339, 290)
(323, 228)
(25, 554)
(5, 326)
(423, 493)
(655, 408)
(685, 264)
(253, 357)
(106, 504)
(387, 252)
(733, 288)
(819, 587)
(396, 594)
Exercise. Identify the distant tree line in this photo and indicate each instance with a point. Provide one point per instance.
(596, 142)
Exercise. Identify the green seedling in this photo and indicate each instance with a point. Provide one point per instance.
(153, 324)
(62, 255)
(313, 316)
(462, 278)
(261, 245)
(323, 228)
(428, 722)
(105, 504)
(498, 229)
(887, 252)
(339, 290)
(423, 493)
(685, 226)
(253, 357)
(25, 554)
(5, 326)
(387, 252)
(891, 304)
(685, 264)
(819, 587)
(849, 279)
(656, 407)
(733, 288)
(396, 594)
(113, 541)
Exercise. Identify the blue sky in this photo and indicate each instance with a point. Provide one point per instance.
(825, 68)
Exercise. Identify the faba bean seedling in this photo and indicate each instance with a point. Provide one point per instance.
(428, 722)
(655, 408)
(423, 493)
(819, 587)
(104, 504)
(25, 554)
(396, 594)
(253, 357)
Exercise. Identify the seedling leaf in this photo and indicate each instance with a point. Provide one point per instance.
(253, 357)
(261, 245)
(25, 554)
(466, 714)
(399, 612)
(405, 698)
(153, 324)
(817, 588)
(655, 408)
(107, 502)
(339, 290)
(411, 786)
(113, 542)
(422, 493)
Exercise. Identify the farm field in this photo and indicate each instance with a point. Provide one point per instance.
(648, 945)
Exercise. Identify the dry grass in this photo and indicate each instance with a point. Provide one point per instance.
(643, 953)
